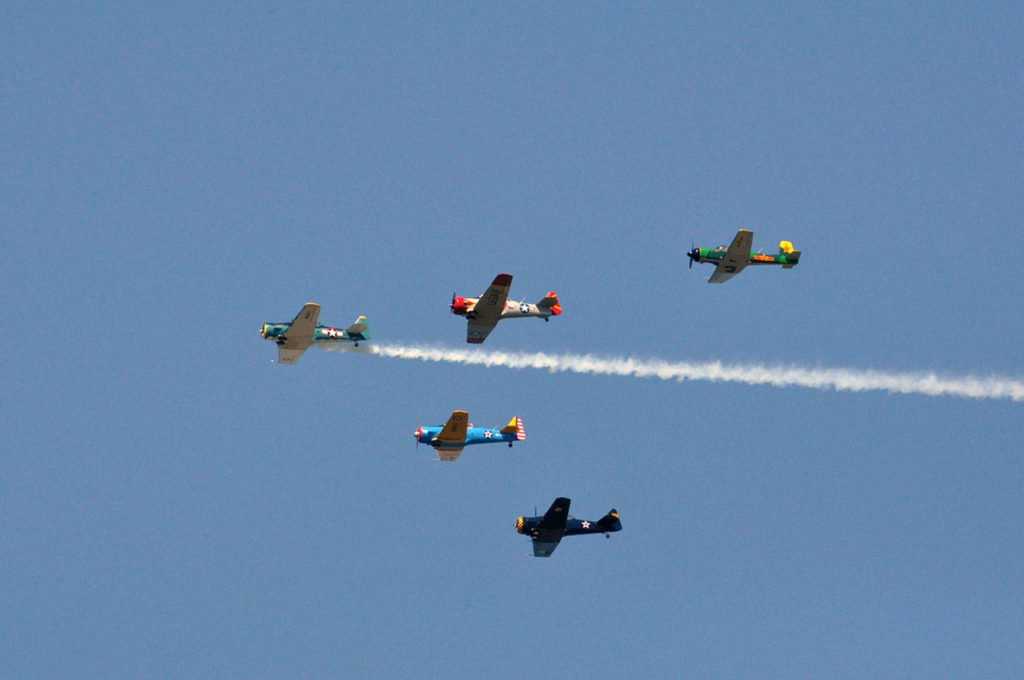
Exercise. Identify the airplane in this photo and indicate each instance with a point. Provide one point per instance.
(294, 338)
(548, 530)
(457, 433)
(484, 312)
(731, 261)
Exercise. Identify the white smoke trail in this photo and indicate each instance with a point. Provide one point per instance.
(840, 379)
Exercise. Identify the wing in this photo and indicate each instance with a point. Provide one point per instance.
(551, 528)
(543, 549)
(477, 332)
(736, 257)
(449, 455)
(720, 275)
(454, 431)
(288, 356)
(299, 334)
(488, 309)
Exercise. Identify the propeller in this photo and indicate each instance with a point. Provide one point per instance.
(451, 307)
(694, 254)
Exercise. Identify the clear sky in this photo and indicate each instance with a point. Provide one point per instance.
(176, 504)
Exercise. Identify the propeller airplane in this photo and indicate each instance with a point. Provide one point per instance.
(457, 433)
(548, 530)
(731, 261)
(484, 313)
(295, 338)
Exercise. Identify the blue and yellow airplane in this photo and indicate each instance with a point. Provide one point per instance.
(294, 338)
(457, 433)
(548, 530)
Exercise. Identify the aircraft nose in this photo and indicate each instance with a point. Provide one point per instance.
(418, 432)
(694, 256)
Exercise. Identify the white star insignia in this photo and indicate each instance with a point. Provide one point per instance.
(487, 434)
(586, 525)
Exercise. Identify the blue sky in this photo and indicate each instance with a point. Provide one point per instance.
(177, 505)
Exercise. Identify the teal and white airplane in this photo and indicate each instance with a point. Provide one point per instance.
(294, 338)
(458, 432)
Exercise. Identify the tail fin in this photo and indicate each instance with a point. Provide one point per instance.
(360, 328)
(610, 522)
(515, 426)
(792, 256)
(551, 302)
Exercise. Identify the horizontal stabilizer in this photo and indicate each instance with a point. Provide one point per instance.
(515, 426)
(610, 522)
(550, 302)
(792, 259)
(360, 327)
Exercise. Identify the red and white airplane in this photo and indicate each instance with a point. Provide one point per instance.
(484, 313)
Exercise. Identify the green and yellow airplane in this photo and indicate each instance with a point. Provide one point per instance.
(730, 261)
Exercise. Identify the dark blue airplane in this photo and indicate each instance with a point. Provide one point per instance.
(548, 530)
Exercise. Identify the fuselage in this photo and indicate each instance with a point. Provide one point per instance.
(474, 435)
(716, 255)
(531, 526)
(463, 306)
(322, 334)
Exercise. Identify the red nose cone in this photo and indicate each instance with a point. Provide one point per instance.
(459, 305)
